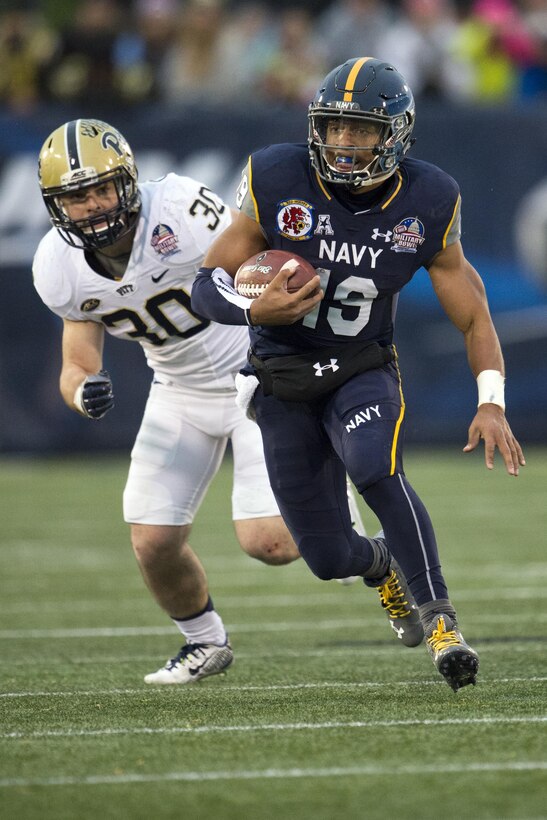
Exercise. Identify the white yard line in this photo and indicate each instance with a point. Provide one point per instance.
(277, 626)
(274, 774)
(329, 597)
(270, 727)
(226, 688)
(356, 645)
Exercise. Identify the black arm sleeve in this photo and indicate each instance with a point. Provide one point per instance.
(217, 301)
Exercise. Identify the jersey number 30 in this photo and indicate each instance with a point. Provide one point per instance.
(155, 308)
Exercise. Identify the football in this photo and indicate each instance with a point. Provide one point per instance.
(254, 275)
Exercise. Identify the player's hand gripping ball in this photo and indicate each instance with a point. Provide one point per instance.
(254, 275)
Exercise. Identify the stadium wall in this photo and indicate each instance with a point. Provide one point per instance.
(498, 157)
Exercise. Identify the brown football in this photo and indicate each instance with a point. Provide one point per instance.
(254, 275)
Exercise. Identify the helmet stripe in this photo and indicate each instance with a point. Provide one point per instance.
(72, 147)
(352, 76)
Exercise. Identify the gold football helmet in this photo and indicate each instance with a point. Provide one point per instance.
(82, 153)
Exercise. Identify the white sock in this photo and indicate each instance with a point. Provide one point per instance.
(204, 628)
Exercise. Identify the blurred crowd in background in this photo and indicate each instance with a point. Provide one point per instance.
(196, 85)
(133, 52)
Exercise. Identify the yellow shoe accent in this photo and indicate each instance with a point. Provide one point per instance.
(456, 661)
(441, 638)
(399, 606)
(393, 598)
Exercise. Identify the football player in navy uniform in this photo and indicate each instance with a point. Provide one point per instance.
(328, 392)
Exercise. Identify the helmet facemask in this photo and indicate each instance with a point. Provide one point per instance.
(98, 230)
(388, 147)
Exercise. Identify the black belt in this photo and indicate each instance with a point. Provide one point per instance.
(307, 376)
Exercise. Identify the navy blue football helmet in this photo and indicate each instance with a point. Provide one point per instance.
(368, 94)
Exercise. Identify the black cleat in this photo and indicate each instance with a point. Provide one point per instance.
(399, 605)
(456, 661)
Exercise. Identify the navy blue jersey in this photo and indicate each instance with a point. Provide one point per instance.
(364, 257)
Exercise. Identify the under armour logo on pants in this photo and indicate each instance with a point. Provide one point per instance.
(332, 366)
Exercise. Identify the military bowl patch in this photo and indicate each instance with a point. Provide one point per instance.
(408, 235)
(164, 240)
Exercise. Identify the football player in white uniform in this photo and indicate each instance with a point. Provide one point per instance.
(122, 257)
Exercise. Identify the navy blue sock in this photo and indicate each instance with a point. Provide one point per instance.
(209, 606)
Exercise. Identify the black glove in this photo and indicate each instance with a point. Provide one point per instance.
(96, 397)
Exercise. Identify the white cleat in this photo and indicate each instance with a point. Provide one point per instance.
(193, 662)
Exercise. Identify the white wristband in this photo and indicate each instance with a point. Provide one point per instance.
(491, 386)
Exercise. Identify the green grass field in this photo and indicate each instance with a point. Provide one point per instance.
(323, 715)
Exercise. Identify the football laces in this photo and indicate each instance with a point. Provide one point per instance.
(251, 288)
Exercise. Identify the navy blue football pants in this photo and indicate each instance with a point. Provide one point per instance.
(309, 447)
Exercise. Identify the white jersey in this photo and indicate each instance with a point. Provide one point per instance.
(151, 304)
